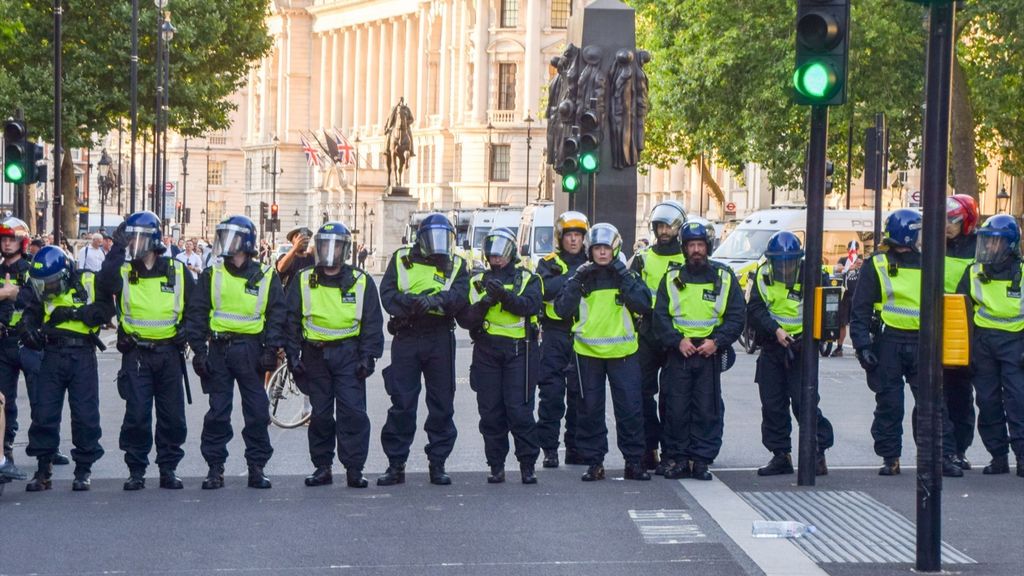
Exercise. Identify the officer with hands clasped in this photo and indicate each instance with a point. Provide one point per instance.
(63, 314)
(776, 312)
(235, 326)
(150, 291)
(698, 314)
(335, 334)
(555, 398)
(424, 287)
(501, 317)
(603, 295)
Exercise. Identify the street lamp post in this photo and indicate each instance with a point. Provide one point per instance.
(184, 188)
(274, 172)
(203, 215)
(167, 31)
(355, 193)
(134, 94)
(103, 167)
(490, 159)
(529, 141)
(206, 206)
(158, 109)
(1002, 200)
(372, 214)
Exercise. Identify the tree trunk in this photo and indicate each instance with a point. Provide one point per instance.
(69, 202)
(30, 207)
(963, 171)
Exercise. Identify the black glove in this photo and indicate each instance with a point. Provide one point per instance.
(584, 270)
(494, 288)
(200, 366)
(268, 360)
(420, 305)
(297, 367)
(62, 314)
(868, 360)
(120, 235)
(32, 339)
(365, 368)
(620, 267)
(434, 302)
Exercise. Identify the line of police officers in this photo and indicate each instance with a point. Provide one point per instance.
(658, 331)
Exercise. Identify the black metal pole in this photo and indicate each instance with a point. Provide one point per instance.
(120, 165)
(812, 278)
(142, 197)
(529, 139)
(934, 168)
(134, 94)
(273, 199)
(184, 188)
(206, 207)
(879, 153)
(164, 110)
(58, 139)
(849, 148)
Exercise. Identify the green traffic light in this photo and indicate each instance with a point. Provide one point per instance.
(815, 80)
(589, 162)
(570, 183)
(14, 173)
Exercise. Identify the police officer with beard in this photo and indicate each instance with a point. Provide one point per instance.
(335, 335)
(556, 399)
(424, 287)
(961, 246)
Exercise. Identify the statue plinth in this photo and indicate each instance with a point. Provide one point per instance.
(402, 191)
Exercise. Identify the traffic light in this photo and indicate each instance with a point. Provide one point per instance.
(273, 212)
(569, 168)
(590, 139)
(40, 165)
(264, 208)
(822, 52)
(830, 169)
(19, 154)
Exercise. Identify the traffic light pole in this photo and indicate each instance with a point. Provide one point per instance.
(933, 242)
(809, 285)
(58, 140)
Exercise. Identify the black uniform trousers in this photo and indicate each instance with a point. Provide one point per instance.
(959, 397)
(430, 352)
(14, 360)
(623, 377)
(778, 383)
(151, 376)
(694, 410)
(233, 361)
(652, 358)
(504, 396)
(557, 366)
(999, 385)
(70, 370)
(897, 362)
(338, 398)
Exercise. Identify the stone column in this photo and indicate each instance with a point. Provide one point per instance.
(345, 91)
(423, 41)
(326, 87)
(444, 63)
(369, 62)
(481, 67)
(409, 66)
(460, 76)
(396, 61)
(383, 74)
(356, 89)
(531, 93)
(280, 88)
(333, 76)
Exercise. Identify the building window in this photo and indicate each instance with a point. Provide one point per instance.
(500, 159)
(506, 86)
(215, 175)
(560, 13)
(248, 173)
(509, 13)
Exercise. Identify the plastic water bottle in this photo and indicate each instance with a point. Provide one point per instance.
(780, 529)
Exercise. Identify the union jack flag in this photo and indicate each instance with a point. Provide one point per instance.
(312, 154)
(346, 153)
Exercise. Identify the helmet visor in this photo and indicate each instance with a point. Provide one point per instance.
(141, 239)
(667, 214)
(436, 241)
(48, 285)
(332, 249)
(499, 246)
(229, 240)
(992, 249)
(785, 269)
(604, 236)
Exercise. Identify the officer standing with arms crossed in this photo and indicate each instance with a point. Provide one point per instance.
(994, 285)
(961, 246)
(556, 399)
(335, 335)
(603, 295)
(424, 287)
(893, 280)
(698, 314)
(652, 263)
(63, 314)
(240, 309)
(150, 292)
(501, 316)
(776, 312)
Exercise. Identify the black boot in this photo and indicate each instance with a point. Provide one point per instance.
(82, 483)
(214, 478)
(42, 478)
(962, 461)
(9, 471)
(781, 463)
(665, 465)
(528, 473)
(551, 458)
(700, 471)
(890, 467)
(438, 476)
(594, 473)
(821, 465)
(950, 467)
(256, 477)
(676, 470)
(354, 478)
(497, 475)
(1020, 468)
(169, 479)
(573, 458)
(651, 460)
(395, 474)
(322, 476)
(999, 465)
(636, 471)
(136, 480)
(60, 459)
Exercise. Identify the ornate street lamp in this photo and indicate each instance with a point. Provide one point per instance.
(529, 140)
(103, 168)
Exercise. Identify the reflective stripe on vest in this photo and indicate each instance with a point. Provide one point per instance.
(241, 312)
(693, 315)
(328, 315)
(67, 298)
(994, 307)
(901, 307)
(789, 313)
(498, 321)
(549, 306)
(147, 309)
(605, 327)
(954, 272)
(655, 267)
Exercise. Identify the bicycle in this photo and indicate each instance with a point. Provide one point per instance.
(289, 407)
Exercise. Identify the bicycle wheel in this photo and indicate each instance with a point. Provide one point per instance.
(825, 348)
(289, 408)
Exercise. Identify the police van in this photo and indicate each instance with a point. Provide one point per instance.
(536, 236)
(482, 221)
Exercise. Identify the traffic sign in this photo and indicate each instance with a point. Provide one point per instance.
(730, 207)
(916, 197)
(169, 186)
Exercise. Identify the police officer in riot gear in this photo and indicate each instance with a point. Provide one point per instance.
(235, 326)
(892, 279)
(335, 335)
(63, 314)
(961, 241)
(501, 317)
(150, 292)
(555, 398)
(698, 314)
(602, 295)
(993, 283)
(776, 312)
(652, 263)
(424, 287)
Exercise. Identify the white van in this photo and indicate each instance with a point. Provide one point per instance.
(482, 221)
(536, 236)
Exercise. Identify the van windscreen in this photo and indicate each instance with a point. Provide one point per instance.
(744, 244)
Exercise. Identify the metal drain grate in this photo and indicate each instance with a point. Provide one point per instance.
(851, 526)
(666, 526)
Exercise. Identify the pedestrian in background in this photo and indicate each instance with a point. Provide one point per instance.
(298, 257)
(192, 261)
(91, 256)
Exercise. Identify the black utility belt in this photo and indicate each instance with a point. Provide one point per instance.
(228, 337)
(69, 341)
(155, 344)
(321, 344)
